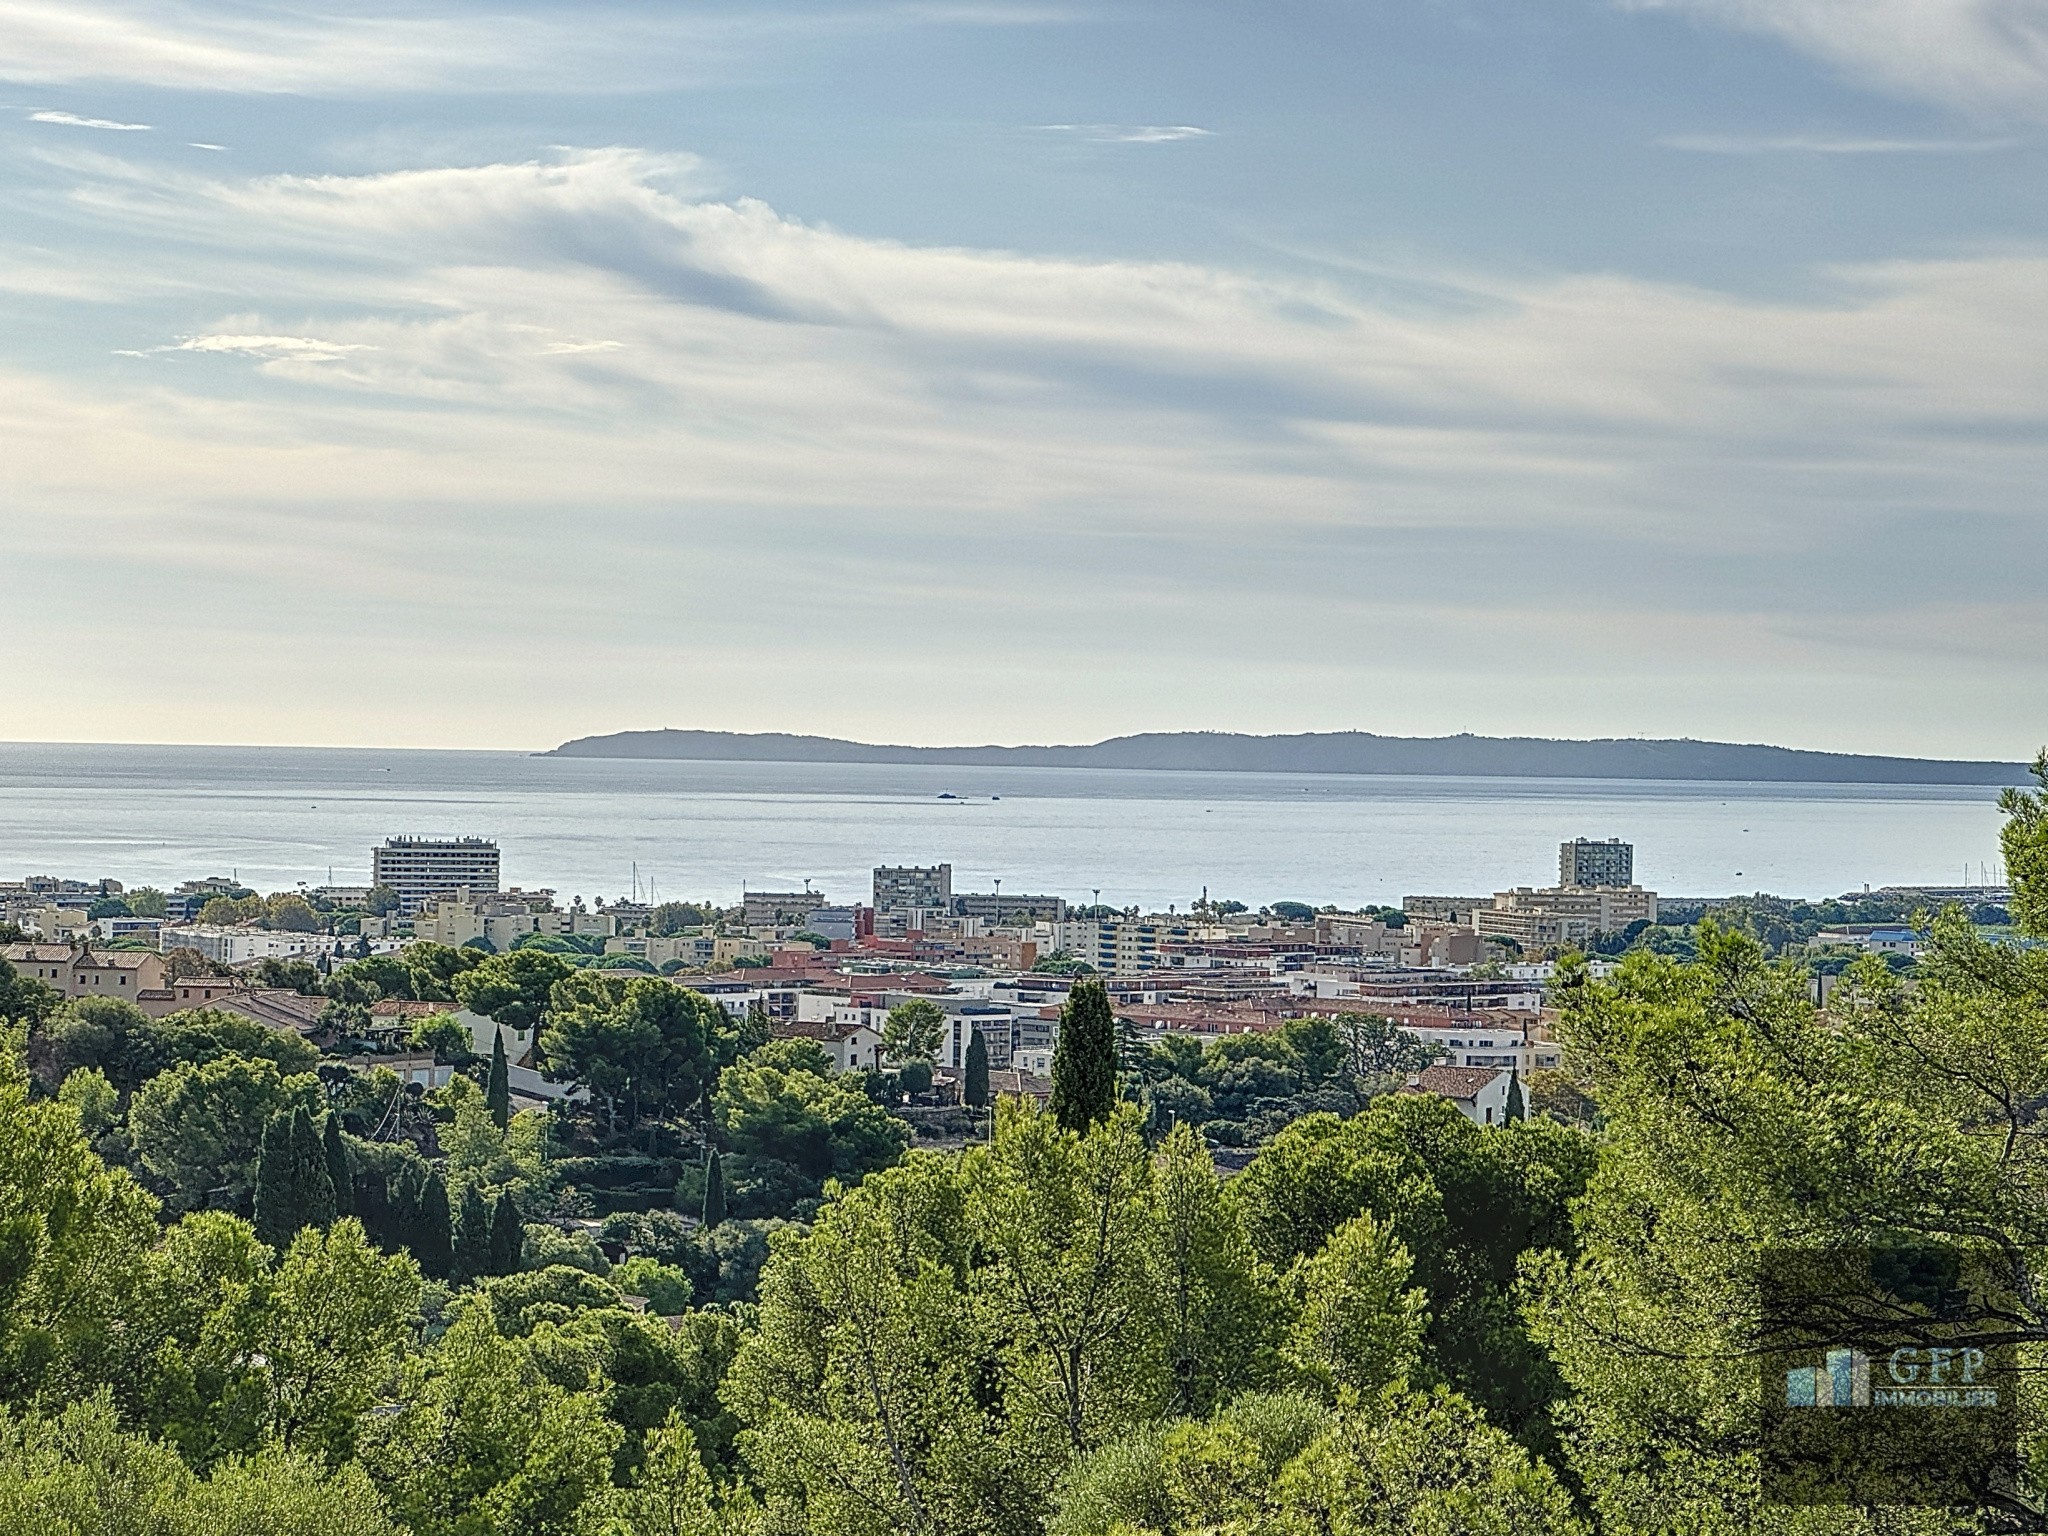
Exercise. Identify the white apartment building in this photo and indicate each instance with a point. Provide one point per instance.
(780, 909)
(996, 1022)
(1122, 947)
(1006, 1023)
(1508, 1042)
(240, 946)
(424, 869)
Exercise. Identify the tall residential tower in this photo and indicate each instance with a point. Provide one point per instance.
(425, 869)
(1586, 862)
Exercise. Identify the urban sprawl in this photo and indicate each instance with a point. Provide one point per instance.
(1461, 978)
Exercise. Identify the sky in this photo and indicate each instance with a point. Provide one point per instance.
(1020, 370)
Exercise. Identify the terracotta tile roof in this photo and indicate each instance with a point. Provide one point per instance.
(811, 1029)
(1002, 1080)
(1465, 1083)
(64, 954)
(279, 1007)
(909, 981)
(1199, 1018)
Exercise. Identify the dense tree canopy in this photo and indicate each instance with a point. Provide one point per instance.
(643, 1045)
(71, 1234)
(511, 988)
(912, 1031)
(199, 1127)
(779, 1104)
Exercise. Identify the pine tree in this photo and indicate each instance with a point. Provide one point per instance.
(1084, 1062)
(433, 1231)
(508, 1237)
(472, 1236)
(339, 1173)
(1516, 1108)
(975, 1088)
(714, 1191)
(277, 1217)
(498, 1092)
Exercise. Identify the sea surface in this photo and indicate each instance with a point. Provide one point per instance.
(275, 817)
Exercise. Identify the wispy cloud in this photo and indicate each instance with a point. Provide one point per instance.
(466, 361)
(1980, 55)
(290, 349)
(1812, 144)
(475, 284)
(266, 47)
(70, 120)
(1128, 133)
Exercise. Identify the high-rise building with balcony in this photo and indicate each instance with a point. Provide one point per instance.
(1584, 861)
(913, 887)
(425, 869)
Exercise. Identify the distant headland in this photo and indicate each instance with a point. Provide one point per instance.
(1361, 752)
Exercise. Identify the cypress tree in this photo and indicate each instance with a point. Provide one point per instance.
(379, 1217)
(975, 1088)
(1516, 1108)
(1130, 1046)
(403, 1193)
(508, 1237)
(277, 1217)
(498, 1091)
(339, 1175)
(433, 1231)
(313, 1185)
(1084, 1061)
(472, 1236)
(714, 1191)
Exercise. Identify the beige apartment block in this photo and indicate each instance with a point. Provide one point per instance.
(1561, 916)
(77, 971)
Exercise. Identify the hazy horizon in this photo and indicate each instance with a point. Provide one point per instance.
(694, 828)
(2021, 757)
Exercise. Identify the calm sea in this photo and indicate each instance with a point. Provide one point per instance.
(278, 816)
